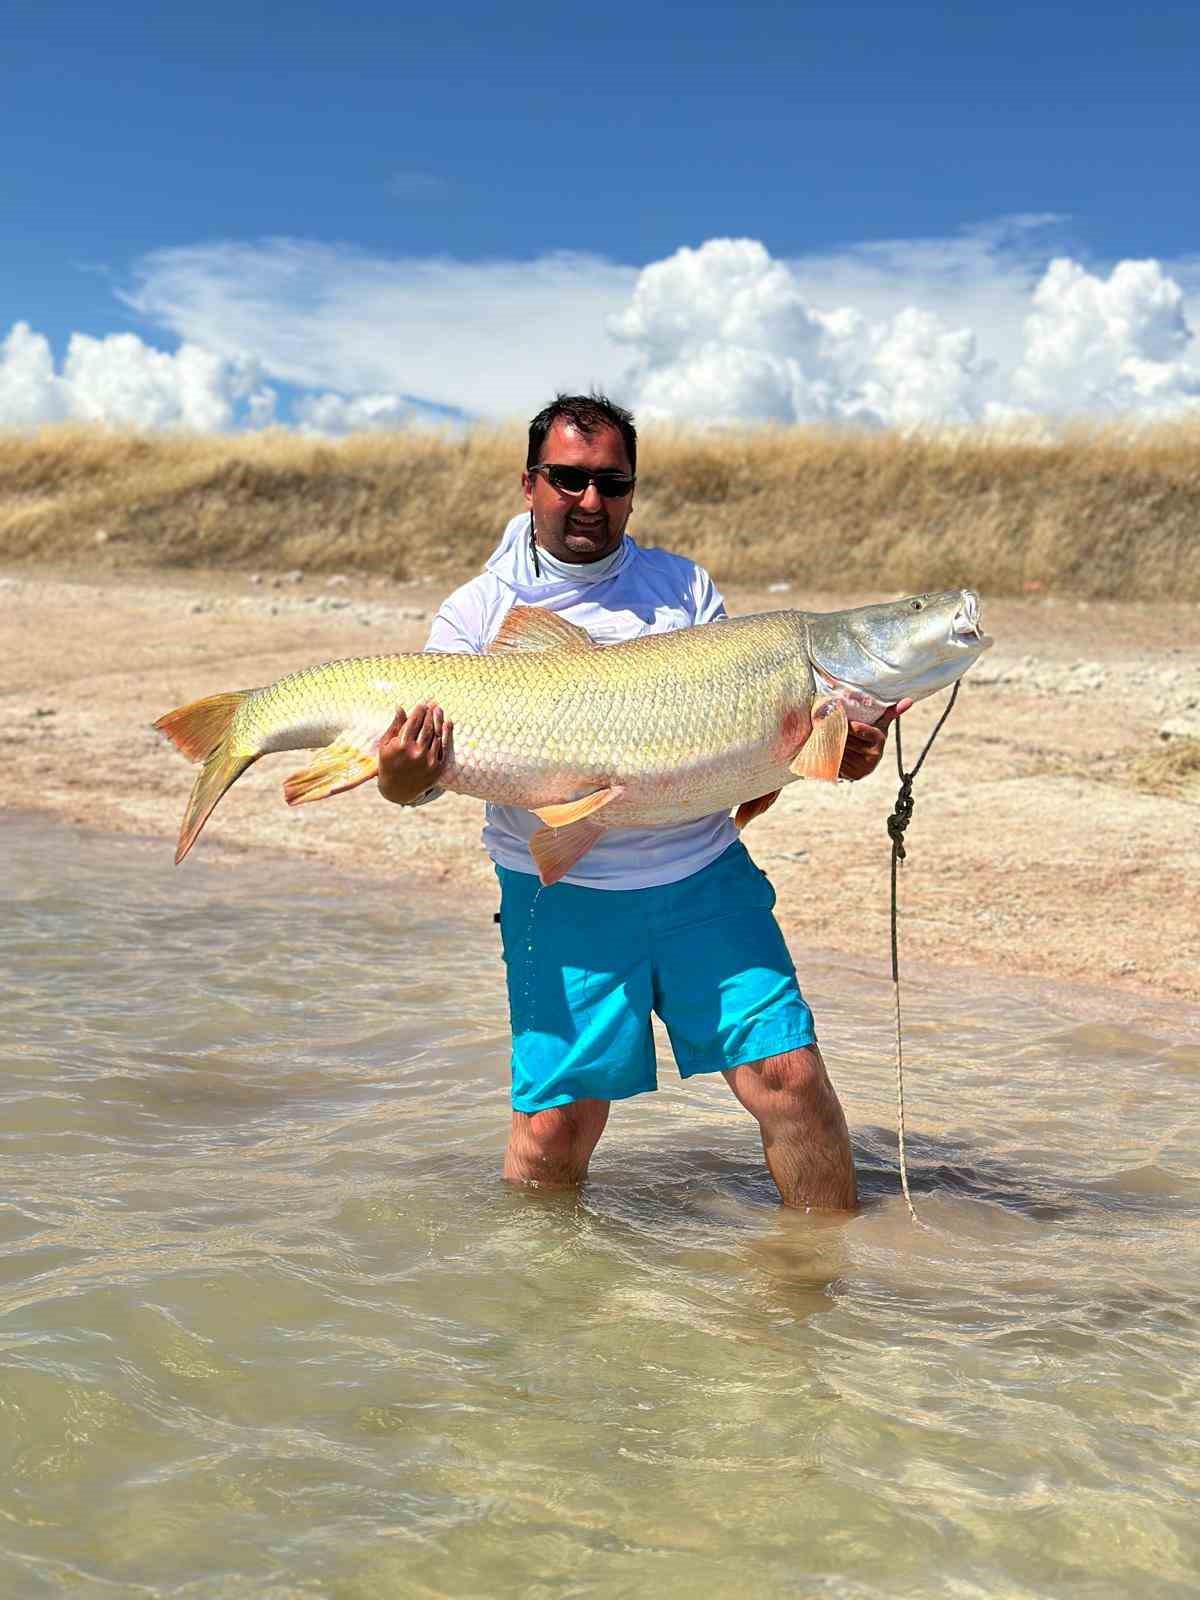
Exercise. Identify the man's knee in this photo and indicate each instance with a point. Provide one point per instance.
(554, 1145)
(792, 1085)
(549, 1133)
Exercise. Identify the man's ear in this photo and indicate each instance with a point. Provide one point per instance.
(527, 488)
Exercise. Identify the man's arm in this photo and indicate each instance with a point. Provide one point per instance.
(865, 743)
(414, 749)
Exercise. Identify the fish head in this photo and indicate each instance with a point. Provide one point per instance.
(901, 648)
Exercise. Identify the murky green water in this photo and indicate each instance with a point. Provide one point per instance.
(271, 1325)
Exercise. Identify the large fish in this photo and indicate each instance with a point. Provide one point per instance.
(657, 730)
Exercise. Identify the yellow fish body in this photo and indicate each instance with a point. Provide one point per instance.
(658, 730)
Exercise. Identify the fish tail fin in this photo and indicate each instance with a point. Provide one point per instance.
(199, 727)
(217, 774)
(201, 731)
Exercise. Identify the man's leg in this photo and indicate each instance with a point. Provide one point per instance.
(552, 1148)
(804, 1134)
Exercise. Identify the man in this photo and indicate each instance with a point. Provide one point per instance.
(677, 920)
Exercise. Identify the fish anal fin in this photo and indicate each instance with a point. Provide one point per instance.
(532, 628)
(749, 809)
(821, 754)
(556, 850)
(562, 816)
(338, 767)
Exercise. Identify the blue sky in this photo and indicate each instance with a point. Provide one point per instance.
(153, 153)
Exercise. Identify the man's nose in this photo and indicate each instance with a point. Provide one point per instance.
(591, 499)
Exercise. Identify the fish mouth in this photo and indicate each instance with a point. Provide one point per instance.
(965, 630)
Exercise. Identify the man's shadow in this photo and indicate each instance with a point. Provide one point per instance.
(704, 1183)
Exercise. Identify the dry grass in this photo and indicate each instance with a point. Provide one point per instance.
(1170, 768)
(1096, 514)
(1173, 768)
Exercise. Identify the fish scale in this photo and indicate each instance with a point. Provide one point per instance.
(658, 730)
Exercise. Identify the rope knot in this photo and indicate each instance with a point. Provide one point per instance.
(901, 815)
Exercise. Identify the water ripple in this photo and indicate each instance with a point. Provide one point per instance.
(270, 1325)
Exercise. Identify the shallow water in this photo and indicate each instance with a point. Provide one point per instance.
(271, 1325)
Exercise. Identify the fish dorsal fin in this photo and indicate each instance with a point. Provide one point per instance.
(531, 628)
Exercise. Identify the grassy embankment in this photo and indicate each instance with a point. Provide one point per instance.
(1098, 514)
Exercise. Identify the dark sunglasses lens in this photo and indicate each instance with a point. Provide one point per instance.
(571, 480)
(574, 480)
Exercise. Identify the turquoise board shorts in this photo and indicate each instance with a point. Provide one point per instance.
(586, 967)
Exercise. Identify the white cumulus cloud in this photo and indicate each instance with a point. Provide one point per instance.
(725, 333)
(1120, 343)
(984, 326)
(30, 389)
(125, 382)
(722, 333)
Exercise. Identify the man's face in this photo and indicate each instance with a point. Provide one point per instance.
(579, 527)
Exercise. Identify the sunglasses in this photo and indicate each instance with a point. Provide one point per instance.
(574, 481)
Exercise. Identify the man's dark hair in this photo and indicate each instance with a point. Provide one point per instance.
(585, 413)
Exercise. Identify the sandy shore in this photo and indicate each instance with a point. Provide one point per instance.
(1033, 854)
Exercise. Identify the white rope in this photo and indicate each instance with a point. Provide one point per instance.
(900, 1111)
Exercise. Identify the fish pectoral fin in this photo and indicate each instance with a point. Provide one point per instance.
(749, 809)
(338, 767)
(576, 810)
(820, 756)
(556, 850)
(531, 628)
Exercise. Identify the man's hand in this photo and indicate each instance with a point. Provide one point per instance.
(412, 753)
(865, 743)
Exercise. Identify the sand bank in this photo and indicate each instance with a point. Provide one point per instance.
(1045, 845)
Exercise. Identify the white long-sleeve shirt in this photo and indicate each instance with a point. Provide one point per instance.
(638, 592)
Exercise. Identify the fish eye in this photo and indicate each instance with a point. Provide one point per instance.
(916, 605)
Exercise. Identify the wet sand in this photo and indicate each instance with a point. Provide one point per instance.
(1033, 858)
